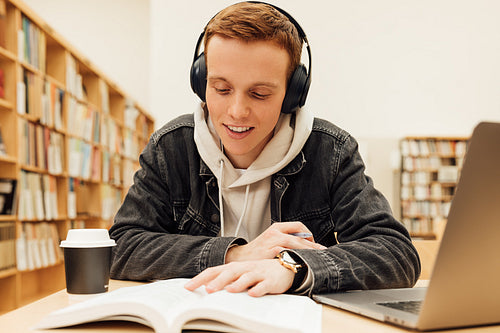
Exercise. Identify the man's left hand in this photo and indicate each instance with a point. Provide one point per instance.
(260, 277)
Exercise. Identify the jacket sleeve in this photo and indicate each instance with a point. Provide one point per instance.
(374, 250)
(148, 243)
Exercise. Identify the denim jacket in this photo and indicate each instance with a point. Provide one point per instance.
(168, 223)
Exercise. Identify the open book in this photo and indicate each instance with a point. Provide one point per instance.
(167, 307)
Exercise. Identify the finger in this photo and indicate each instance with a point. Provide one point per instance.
(297, 229)
(291, 227)
(258, 290)
(244, 282)
(202, 278)
(271, 286)
(312, 245)
(294, 242)
(227, 276)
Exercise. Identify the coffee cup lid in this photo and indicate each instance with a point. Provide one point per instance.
(88, 238)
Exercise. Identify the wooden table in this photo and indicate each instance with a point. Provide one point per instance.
(334, 320)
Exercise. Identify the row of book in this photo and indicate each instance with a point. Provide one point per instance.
(445, 174)
(38, 197)
(7, 245)
(111, 136)
(88, 124)
(83, 121)
(430, 163)
(29, 94)
(37, 246)
(44, 100)
(130, 144)
(88, 162)
(111, 169)
(31, 44)
(111, 198)
(429, 192)
(421, 226)
(41, 99)
(417, 178)
(74, 80)
(430, 147)
(80, 156)
(130, 115)
(52, 106)
(435, 209)
(41, 147)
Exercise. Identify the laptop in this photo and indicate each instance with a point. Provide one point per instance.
(464, 288)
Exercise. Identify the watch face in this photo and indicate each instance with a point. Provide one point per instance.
(288, 258)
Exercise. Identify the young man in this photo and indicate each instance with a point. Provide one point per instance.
(222, 193)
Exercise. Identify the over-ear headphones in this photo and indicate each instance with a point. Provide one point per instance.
(298, 84)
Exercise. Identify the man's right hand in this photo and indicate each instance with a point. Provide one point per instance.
(272, 241)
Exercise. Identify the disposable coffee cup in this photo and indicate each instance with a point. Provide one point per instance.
(87, 260)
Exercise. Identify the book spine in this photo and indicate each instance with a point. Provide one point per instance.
(7, 245)
(37, 246)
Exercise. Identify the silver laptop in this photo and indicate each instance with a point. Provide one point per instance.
(464, 289)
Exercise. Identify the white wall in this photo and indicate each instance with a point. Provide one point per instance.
(381, 69)
(113, 35)
(385, 68)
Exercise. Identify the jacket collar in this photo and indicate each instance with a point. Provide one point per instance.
(292, 168)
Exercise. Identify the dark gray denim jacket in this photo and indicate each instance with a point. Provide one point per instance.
(168, 223)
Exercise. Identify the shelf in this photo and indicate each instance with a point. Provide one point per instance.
(5, 104)
(7, 218)
(7, 272)
(430, 167)
(8, 159)
(64, 125)
(7, 54)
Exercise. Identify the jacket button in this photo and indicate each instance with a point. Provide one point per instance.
(214, 218)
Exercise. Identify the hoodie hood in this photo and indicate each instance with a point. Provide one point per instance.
(290, 134)
(239, 189)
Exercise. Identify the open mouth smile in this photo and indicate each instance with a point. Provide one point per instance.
(238, 129)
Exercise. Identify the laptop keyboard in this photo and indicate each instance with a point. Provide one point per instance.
(407, 306)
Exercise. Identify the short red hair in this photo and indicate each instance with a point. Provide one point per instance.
(255, 22)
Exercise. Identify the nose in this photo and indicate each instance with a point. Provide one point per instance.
(239, 106)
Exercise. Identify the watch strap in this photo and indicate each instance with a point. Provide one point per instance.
(296, 265)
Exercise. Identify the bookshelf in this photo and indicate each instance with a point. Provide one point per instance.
(70, 141)
(430, 167)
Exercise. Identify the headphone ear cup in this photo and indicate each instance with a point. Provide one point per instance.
(198, 76)
(296, 92)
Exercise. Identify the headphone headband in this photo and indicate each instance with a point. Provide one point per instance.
(298, 85)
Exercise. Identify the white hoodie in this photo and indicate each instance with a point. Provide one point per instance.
(245, 193)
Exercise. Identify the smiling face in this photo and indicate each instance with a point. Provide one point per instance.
(246, 84)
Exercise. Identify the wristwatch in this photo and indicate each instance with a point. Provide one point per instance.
(286, 260)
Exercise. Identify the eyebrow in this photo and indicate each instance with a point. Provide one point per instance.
(259, 83)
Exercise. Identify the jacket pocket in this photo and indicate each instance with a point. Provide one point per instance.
(190, 222)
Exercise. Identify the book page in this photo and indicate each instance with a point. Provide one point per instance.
(156, 303)
(167, 306)
(241, 312)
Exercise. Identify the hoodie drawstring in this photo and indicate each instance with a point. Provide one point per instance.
(244, 211)
(221, 206)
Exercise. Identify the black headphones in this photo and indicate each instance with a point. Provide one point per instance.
(298, 85)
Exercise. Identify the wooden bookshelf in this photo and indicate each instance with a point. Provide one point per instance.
(430, 167)
(72, 138)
